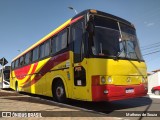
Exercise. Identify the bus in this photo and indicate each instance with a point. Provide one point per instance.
(4, 77)
(94, 56)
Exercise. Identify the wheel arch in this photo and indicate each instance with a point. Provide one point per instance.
(57, 78)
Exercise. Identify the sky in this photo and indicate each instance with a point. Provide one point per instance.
(24, 22)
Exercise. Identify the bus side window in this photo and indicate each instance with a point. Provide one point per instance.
(47, 48)
(59, 42)
(26, 60)
(41, 51)
(16, 63)
(12, 65)
(21, 61)
(63, 39)
(35, 54)
(53, 44)
(44, 49)
(77, 31)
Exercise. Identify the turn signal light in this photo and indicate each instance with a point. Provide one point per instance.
(96, 80)
(93, 11)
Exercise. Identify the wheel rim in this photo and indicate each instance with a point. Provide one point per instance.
(59, 92)
(156, 92)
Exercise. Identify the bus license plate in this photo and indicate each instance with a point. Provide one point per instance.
(130, 90)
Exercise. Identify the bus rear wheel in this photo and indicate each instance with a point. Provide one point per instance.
(16, 87)
(59, 93)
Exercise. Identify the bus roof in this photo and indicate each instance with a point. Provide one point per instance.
(103, 14)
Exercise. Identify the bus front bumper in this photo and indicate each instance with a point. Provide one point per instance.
(114, 92)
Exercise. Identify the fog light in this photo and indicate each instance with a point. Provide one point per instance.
(105, 92)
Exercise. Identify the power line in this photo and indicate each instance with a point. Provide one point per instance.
(151, 49)
(151, 53)
(147, 46)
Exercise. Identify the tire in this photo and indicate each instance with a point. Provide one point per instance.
(16, 87)
(59, 93)
(157, 92)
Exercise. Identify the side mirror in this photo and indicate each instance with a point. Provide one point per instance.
(90, 25)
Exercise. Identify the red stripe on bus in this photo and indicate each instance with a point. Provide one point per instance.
(32, 72)
(47, 67)
(22, 72)
(76, 19)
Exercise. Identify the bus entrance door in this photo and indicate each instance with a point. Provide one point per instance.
(79, 63)
(80, 84)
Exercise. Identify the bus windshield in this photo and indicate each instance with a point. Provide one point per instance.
(114, 39)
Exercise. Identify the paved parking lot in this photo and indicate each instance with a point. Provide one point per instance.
(23, 105)
(29, 106)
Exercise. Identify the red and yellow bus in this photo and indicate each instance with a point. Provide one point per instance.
(94, 56)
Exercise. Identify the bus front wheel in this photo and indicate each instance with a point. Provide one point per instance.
(59, 93)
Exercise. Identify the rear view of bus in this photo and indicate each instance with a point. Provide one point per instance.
(4, 77)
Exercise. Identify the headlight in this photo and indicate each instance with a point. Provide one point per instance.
(103, 80)
(109, 79)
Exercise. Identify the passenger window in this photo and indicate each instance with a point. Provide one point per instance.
(12, 65)
(16, 63)
(21, 60)
(47, 48)
(44, 49)
(53, 44)
(59, 42)
(41, 50)
(35, 54)
(27, 57)
(63, 39)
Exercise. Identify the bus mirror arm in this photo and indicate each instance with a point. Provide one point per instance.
(90, 27)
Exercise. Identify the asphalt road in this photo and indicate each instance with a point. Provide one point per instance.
(26, 105)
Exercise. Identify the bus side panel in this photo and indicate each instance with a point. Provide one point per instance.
(38, 77)
(60, 70)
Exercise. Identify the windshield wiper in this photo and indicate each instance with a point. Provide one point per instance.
(135, 54)
(118, 54)
(123, 48)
